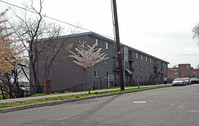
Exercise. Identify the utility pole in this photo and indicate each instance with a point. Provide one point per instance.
(117, 38)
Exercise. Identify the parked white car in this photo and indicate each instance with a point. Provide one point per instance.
(187, 81)
(179, 82)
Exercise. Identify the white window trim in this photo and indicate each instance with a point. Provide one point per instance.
(136, 55)
(105, 75)
(106, 45)
(96, 74)
(96, 42)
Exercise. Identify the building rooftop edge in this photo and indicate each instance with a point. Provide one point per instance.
(108, 39)
(98, 35)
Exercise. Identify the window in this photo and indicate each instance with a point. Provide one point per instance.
(141, 57)
(146, 58)
(136, 77)
(141, 67)
(106, 74)
(106, 61)
(95, 74)
(136, 66)
(187, 66)
(114, 52)
(136, 55)
(106, 45)
(145, 68)
(126, 65)
(150, 60)
(96, 42)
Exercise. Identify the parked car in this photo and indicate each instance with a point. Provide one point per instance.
(187, 81)
(179, 81)
(194, 81)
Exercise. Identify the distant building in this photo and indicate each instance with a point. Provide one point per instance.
(139, 67)
(182, 70)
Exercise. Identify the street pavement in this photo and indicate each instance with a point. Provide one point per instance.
(172, 106)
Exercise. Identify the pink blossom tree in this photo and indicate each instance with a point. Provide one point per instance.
(87, 56)
(11, 55)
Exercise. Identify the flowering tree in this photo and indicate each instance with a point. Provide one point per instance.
(10, 57)
(87, 56)
(9, 50)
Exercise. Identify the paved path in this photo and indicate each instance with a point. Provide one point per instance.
(57, 95)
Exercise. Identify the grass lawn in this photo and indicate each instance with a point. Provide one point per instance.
(36, 101)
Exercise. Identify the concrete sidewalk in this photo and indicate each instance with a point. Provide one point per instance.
(18, 108)
(64, 94)
(55, 95)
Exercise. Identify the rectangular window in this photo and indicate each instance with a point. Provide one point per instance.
(106, 61)
(96, 42)
(150, 60)
(114, 52)
(141, 57)
(136, 55)
(136, 66)
(106, 74)
(141, 67)
(187, 66)
(95, 74)
(146, 58)
(106, 45)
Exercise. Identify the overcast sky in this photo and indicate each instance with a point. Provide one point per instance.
(162, 28)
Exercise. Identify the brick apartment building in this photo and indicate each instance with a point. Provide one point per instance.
(182, 70)
(139, 67)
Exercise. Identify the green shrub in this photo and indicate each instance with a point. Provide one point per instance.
(39, 94)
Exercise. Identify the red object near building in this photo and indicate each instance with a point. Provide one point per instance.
(47, 87)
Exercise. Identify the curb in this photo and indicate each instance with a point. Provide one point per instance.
(18, 108)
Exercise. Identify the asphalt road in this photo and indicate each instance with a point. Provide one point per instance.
(172, 106)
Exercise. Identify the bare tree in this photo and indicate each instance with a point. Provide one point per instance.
(43, 44)
(87, 56)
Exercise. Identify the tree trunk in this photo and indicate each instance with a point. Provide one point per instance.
(2, 93)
